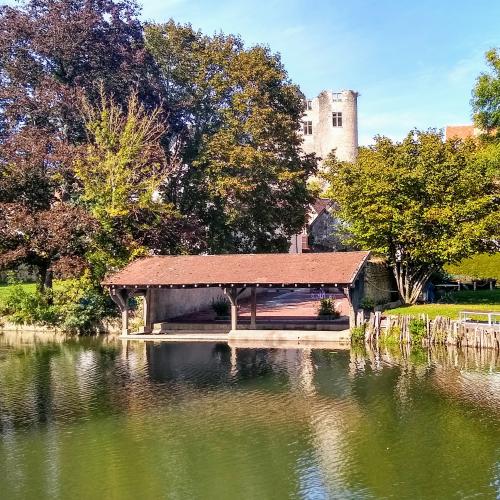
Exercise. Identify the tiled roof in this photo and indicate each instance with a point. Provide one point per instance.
(459, 131)
(321, 204)
(239, 269)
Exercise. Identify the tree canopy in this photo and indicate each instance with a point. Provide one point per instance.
(486, 96)
(234, 121)
(421, 202)
(163, 139)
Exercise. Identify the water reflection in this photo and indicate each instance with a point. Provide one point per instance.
(95, 417)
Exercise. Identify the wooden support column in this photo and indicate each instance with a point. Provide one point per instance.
(120, 298)
(232, 295)
(352, 311)
(253, 308)
(148, 325)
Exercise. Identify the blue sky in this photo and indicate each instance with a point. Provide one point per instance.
(414, 63)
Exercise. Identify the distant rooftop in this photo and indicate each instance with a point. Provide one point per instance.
(460, 131)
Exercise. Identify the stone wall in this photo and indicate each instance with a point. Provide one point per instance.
(326, 233)
(380, 285)
(167, 304)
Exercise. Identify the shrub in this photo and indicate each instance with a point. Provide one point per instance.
(23, 307)
(417, 330)
(327, 308)
(358, 334)
(367, 304)
(391, 335)
(221, 306)
(76, 307)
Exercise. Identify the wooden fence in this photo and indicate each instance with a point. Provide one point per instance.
(418, 329)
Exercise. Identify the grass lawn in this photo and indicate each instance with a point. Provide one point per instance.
(481, 300)
(5, 290)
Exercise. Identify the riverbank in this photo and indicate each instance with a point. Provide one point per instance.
(479, 300)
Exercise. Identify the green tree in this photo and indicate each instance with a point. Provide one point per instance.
(421, 202)
(234, 121)
(121, 170)
(486, 95)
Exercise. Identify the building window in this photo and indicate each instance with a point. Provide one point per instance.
(337, 96)
(337, 119)
(309, 104)
(308, 128)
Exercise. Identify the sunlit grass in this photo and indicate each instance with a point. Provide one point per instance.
(467, 300)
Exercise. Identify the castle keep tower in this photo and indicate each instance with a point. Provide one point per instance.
(331, 122)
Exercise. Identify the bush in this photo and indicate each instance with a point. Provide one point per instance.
(417, 330)
(391, 336)
(327, 308)
(358, 334)
(221, 306)
(76, 307)
(23, 307)
(367, 304)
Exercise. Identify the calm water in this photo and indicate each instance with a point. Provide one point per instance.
(94, 419)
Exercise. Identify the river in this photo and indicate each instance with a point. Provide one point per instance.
(97, 418)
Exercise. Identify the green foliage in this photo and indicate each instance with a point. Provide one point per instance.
(486, 95)
(22, 306)
(417, 330)
(221, 306)
(234, 120)
(391, 336)
(421, 203)
(480, 266)
(327, 308)
(75, 306)
(358, 334)
(82, 306)
(121, 170)
(367, 303)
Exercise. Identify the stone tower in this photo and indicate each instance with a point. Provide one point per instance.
(331, 122)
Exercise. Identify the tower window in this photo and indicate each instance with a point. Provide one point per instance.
(337, 119)
(308, 128)
(309, 104)
(337, 96)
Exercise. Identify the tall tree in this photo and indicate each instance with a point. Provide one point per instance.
(121, 170)
(486, 96)
(36, 227)
(421, 202)
(53, 51)
(234, 138)
(50, 240)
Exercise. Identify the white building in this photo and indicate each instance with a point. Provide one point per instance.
(331, 122)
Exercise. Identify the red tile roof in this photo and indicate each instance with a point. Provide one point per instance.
(459, 131)
(321, 204)
(238, 269)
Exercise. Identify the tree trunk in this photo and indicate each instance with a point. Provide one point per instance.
(48, 279)
(45, 277)
(42, 277)
(410, 281)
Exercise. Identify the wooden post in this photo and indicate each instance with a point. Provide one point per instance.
(352, 310)
(120, 298)
(125, 321)
(491, 284)
(148, 327)
(253, 308)
(232, 295)
(474, 285)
